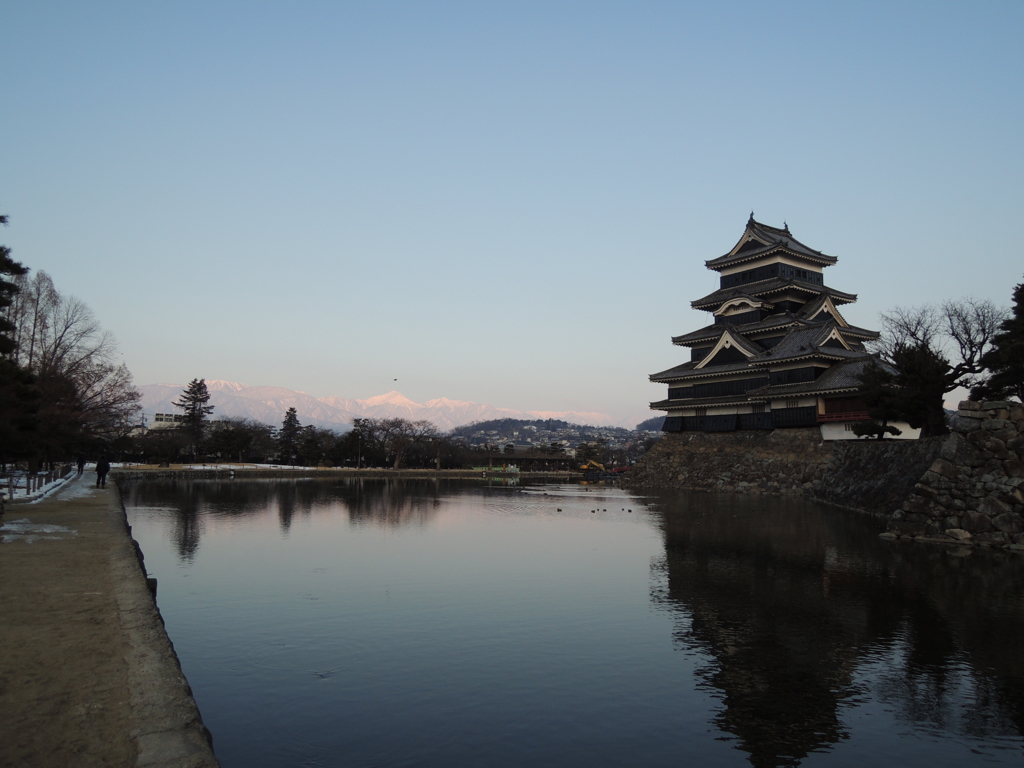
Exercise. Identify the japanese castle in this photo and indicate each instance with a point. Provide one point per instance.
(777, 352)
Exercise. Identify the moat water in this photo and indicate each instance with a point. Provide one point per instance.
(414, 623)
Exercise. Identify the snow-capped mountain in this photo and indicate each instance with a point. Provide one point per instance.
(268, 404)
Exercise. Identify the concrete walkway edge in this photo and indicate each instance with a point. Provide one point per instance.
(165, 725)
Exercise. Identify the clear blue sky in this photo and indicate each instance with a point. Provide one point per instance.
(502, 202)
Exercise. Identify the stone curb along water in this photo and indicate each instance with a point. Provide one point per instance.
(963, 488)
(165, 722)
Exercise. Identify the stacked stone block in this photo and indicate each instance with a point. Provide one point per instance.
(870, 476)
(789, 461)
(973, 492)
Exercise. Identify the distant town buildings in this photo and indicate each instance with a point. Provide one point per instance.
(777, 353)
(562, 439)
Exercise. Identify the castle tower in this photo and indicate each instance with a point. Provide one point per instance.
(778, 353)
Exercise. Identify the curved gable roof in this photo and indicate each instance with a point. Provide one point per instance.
(810, 341)
(731, 339)
(759, 240)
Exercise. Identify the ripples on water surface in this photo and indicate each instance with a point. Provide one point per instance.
(405, 623)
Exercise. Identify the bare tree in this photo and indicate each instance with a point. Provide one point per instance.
(392, 437)
(932, 351)
(86, 393)
(402, 433)
(108, 399)
(959, 331)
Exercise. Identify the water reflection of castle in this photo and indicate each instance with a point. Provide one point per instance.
(790, 604)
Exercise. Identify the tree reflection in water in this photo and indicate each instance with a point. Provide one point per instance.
(804, 613)
(384, 503)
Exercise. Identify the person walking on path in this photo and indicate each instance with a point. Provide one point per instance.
(81, 464)
(102, 467)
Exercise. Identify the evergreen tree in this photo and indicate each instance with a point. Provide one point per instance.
(881, 396)
(288, 437)
(8, 288)
(923, 380)
(193, 402)
(910, 390)
(1006, 358)
(19, 393)
(19, 409)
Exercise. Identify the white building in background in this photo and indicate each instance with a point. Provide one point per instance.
(171, 420)
(165, 420)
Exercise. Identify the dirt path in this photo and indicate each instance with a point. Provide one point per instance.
(87, 675)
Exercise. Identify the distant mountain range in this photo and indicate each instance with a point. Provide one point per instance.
(268, 404)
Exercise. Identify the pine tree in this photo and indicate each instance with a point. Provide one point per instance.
(1006, 358)
(288, 437)
(193, 402)
(923, 379)
(19, 393)
(8, 268)
(881, 396)
(910, 390)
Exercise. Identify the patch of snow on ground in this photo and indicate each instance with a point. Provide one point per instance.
(77, 488)
(39, 494)
(27, 531)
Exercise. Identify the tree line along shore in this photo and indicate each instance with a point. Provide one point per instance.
(66, 396)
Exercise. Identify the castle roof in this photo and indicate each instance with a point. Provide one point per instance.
(821, 340)
(815, 312)
(773, 285)
(841, 377)
(760, 240)
(825, 342)
(705, 401)
(691, 371)
(731, 337)
(712, 332)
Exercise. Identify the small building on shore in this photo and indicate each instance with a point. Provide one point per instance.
(777, 351)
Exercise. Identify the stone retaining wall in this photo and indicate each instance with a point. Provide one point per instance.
(783, 461)
(967, 487)
(875, 476)
(868, 475)
(973, 492)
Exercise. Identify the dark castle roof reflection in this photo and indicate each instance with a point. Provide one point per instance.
(792, 605)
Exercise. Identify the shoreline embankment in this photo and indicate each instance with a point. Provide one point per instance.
(232, 471)
(88, 675)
